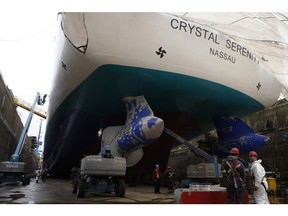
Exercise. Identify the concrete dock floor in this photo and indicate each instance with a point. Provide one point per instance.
(55, 191)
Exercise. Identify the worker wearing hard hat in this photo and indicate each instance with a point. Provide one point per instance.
(234, 173)
(156, 177)
(169, 175)
(260, 182)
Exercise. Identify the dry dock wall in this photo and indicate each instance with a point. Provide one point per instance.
(11, 128)
(272, 122)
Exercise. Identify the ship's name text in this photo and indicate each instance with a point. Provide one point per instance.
(196, 30)
(213, 37)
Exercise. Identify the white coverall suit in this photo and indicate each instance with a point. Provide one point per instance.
(258, 172)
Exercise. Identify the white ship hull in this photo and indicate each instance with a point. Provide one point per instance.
(182, 68)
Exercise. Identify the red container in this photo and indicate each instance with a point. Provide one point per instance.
(207, 197)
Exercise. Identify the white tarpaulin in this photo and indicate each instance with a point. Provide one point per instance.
(266, 34)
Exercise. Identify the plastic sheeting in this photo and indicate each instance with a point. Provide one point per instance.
(265, 34)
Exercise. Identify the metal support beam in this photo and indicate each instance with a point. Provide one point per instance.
(210, 158)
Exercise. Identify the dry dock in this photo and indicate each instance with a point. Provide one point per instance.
(55, 191)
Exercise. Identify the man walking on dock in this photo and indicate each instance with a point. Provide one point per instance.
(157, 177)
(169, 176)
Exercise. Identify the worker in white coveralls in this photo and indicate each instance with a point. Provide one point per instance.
(260, 181)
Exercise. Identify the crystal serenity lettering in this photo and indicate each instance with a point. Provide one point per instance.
(240, 49)
(208, 35)
(195, 30)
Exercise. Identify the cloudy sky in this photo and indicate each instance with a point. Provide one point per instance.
(26, 56)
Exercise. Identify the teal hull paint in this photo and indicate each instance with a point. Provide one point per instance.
(186, 104)
(102, 92)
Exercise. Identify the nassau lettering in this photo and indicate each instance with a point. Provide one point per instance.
(222, 55)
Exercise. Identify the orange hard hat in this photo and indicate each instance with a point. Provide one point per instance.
(234, 151)
(253, 154)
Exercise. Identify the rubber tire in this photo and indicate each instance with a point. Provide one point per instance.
(81, 188)
(26, 180)
(120, 188)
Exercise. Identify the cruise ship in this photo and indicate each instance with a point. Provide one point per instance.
(185, 73)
